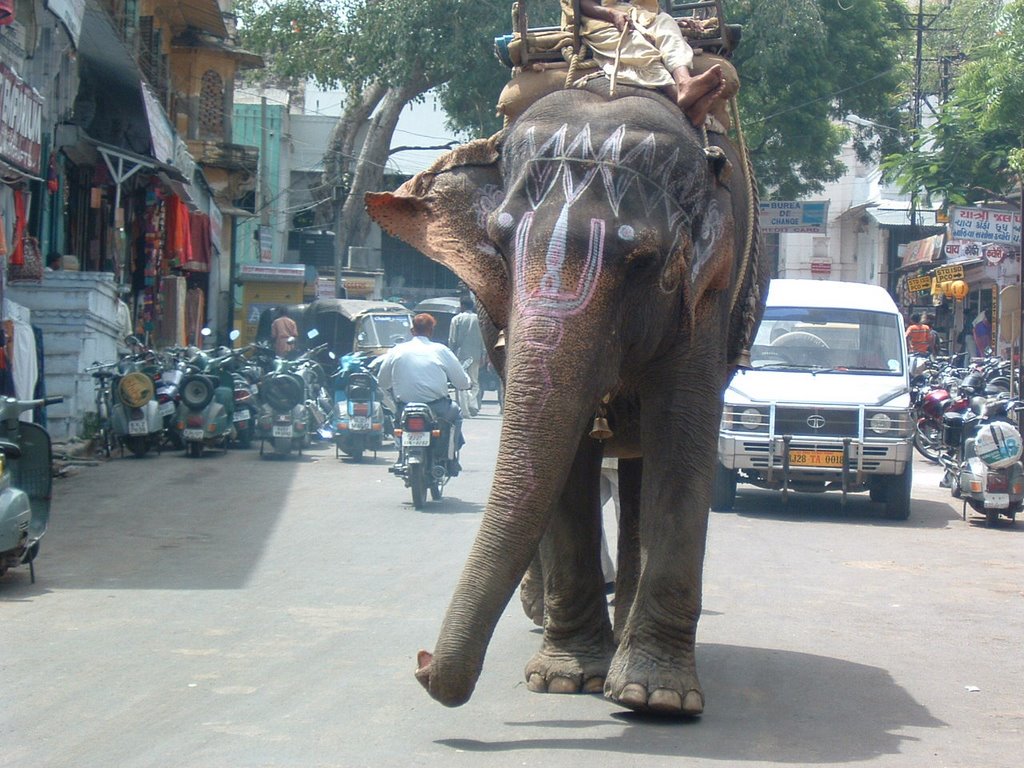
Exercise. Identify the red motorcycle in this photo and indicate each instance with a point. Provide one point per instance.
(931, 406)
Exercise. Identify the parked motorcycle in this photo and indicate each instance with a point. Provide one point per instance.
(360, 419)
(294, 402)
(427, 456)
(982, 458)
(135, 414)
(26, 478)
(168, 393)
(205, 416)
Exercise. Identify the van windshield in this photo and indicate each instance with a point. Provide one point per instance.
(820, 339)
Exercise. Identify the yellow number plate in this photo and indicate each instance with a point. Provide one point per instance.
(816, 458)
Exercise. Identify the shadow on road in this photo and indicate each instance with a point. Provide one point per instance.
(764, 706)
(828, 507)
(450, 505)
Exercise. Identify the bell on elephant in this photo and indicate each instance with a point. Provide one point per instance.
(600, 430)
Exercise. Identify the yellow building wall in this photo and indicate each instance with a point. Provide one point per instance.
(258, 296)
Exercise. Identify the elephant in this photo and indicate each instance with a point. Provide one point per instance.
(613, 251)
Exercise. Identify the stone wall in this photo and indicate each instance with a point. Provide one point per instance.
(77, 313)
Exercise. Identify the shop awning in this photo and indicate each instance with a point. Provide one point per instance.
(900, 217)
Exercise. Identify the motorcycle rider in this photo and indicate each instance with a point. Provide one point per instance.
(418, 371)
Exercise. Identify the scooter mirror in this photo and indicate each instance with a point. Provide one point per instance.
(234, 334)
(312, 333)
(205, 332)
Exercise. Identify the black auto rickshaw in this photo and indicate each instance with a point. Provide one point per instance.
(442, 309)
(357, 325)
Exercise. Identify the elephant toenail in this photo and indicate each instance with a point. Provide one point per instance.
(633, 696)
(537, 683)
(563, 685)
(693, 704)
(594, 685)
(664, 700)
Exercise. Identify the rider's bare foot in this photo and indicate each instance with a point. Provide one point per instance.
(696, 94)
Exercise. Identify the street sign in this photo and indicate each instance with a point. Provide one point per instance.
(919, 284)
(989, 225)
(951, 272)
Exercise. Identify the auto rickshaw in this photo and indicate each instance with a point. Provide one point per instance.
(442, 309)
(364, 326)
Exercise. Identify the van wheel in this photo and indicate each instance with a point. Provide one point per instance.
(723, 489)
(897, 494)
(876, 491)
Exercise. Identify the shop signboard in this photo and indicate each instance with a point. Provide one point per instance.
(266, 239)
(799, 216)
(950, 272)
(919, 284)
(988, 225)
(273, 272)
(21, 122)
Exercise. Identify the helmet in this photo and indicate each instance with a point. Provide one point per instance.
(935, 402)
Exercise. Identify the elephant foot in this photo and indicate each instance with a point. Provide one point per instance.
(554, 671)
(531, 595)
(664, 688)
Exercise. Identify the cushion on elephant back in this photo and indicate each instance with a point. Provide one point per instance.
(528, 86)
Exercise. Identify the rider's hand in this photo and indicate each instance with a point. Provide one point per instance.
(619, 19)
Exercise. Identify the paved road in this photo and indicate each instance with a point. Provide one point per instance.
(232, 611)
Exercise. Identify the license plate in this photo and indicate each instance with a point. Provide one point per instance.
(997, 500)
(240, 416)
(285, 431)
(193, 434)
(359, 422)
(137, 427)
(166, 408)
(816, 459)
(416, 439)
(254, 389)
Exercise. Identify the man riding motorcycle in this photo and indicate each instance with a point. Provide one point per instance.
(418, 371)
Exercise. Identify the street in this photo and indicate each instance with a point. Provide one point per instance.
(237, 611)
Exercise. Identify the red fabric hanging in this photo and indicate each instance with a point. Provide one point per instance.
(179, 232)
(200, 239)
(6, 12)
(18, 252)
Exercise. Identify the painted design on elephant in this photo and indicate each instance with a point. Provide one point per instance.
(711, 231)
(577, 164)
(550, 297)
(488, 199)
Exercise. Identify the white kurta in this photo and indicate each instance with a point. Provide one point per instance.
(651, 51)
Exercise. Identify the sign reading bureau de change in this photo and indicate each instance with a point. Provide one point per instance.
(800, 216)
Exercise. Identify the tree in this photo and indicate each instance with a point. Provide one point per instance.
(806, 64)
(975, 148)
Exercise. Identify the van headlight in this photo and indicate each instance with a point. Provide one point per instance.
(882, 424)
(751, 418)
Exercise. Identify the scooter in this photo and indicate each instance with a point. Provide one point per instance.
(983, 458)
(290, 410)
(359, 415)
(135, 416)
(205, 416)
(427, 456)
(26, 479)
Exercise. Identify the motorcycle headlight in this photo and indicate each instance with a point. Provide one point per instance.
(881, 423)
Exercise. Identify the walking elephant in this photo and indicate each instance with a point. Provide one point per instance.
(614, 257)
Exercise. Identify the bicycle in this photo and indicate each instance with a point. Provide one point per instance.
(102, 376)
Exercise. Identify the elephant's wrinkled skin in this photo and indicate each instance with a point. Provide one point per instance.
(598, 235)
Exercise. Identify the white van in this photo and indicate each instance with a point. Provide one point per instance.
(826, 402)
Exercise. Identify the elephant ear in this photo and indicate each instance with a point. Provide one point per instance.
(714, 252)
(442, 212)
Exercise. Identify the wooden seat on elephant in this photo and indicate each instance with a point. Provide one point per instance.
(528, 46)
(545, 59)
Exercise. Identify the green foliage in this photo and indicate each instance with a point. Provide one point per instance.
(803, 65)
(975, 148)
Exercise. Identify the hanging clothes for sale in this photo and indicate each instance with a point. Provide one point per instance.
(179, 232)
(199, 260)
(18, 244)
(6, 12)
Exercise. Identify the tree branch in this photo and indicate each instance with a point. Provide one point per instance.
(449, 145)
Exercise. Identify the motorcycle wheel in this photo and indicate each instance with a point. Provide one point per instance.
(418, 483)
(245, 438)
(928, 441)
(723, 489)
(356, 454)
(436, 489)
(195, 450)
(138, 445)
(282, 445)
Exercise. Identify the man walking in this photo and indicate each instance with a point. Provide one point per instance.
(465, 341)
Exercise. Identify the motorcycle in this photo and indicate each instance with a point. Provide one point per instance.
(982, 460)
(294, 403)
(427, 456)
(168, 393)
(205, 417)
(360, 419)
(26, 478)
(135, 413)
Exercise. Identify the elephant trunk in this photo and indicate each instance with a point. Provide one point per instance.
(548, 405)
